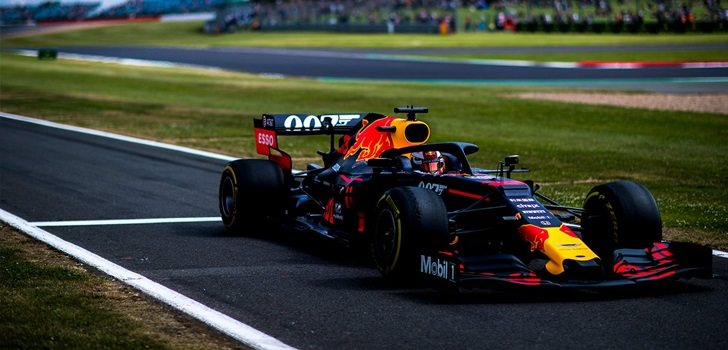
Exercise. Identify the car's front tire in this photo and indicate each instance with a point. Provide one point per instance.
(407, 220)
(251, 193)
(620, 214)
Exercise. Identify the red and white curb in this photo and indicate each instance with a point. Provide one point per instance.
(394, 57)
(650, 64)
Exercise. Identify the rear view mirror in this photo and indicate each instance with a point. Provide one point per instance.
(511, 160)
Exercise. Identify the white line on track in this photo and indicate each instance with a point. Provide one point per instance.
(720, 254)
(134, 62)
(225, 324)
(123, 222)
(113, 136)
(118, 60)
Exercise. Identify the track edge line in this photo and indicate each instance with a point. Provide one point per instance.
(215, 319)
(114, 136)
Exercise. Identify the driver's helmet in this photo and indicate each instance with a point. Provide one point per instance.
(428, 161)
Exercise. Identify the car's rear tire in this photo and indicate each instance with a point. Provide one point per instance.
(620, 214)
(252, 192)
(407, 220)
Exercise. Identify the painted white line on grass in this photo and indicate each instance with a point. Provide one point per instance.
(120, 60)
(138, 62)
(116, 136)
(124, 222)
(225, 324)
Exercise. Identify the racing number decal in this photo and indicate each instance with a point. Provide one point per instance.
(316, 122)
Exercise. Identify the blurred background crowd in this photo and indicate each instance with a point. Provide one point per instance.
(436, 16)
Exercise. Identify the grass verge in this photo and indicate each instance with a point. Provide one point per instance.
(51, 302)
(190, 34)
(679, 156)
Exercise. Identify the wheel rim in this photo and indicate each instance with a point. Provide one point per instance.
(227, 196)
(385, 240)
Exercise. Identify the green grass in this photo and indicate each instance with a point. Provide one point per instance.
(49, 307)
(190, 34)
(50, 301)
(680, 156)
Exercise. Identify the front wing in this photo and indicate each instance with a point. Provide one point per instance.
(662, 261)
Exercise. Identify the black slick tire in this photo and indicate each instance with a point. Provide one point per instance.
(252, 192)
(407, 221)
(620, 214)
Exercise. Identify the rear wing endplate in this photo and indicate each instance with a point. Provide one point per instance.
(269, 126)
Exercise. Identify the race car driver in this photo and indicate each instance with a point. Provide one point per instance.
(428, 161)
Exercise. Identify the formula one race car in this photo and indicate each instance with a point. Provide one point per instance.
(423, 210)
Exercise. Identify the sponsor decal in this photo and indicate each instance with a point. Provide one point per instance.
(314, 122)
(265, 139)
(522, 200)
(337, 212)
(534, 235)
(437, 188)
(437, 268)
(533, 211)
(370, 142)
(268, 122)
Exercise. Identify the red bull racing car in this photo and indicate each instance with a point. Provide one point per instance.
(424, 210)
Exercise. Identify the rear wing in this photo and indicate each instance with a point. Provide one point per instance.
(269, 126)
(310, 124)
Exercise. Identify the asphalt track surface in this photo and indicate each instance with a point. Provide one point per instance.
(306, 292)
(404, 65)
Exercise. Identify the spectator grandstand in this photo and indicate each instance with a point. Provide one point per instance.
(148, 8)
(79, 10)
(598, 16)
(616, 16)
(340, 15)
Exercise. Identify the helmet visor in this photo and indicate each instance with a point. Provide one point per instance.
(432, 166)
